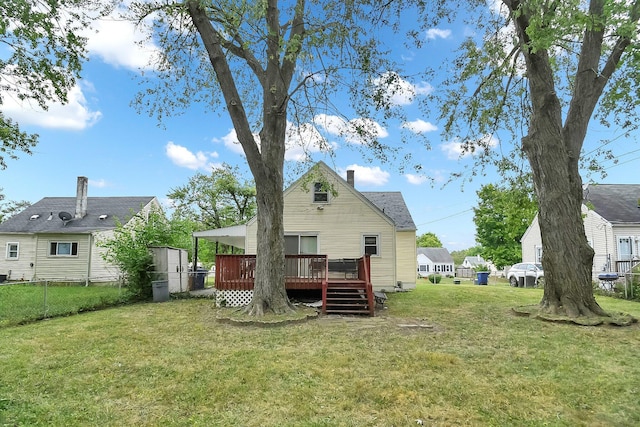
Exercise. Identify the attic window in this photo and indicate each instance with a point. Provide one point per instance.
(34, 217)
(320, 194)
(102, 217)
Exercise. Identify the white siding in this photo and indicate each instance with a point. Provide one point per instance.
(18, 269)
(530, 241)
(406, 259)
(101, 270)
(63, 267)
(340, 226)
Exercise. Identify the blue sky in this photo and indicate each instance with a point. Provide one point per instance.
(99, 135)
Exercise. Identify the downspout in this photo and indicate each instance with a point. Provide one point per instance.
(89, 253)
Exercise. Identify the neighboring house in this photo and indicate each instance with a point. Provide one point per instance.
(473, 262)
(611, 214)
(55, 238)
(341, 224)
(434, 260)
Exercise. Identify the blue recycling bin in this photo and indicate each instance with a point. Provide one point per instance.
(483, 278)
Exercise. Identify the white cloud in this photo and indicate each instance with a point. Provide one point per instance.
(434, 33)
(364, 175)
(183, 157)
(74, 115)
(119, 43)
(455, 150)
(419, 126)
(304, 140)
(98, 183)
(300, 142)
(398, 91)
(230, 140)
(415, 179)
(356, 131)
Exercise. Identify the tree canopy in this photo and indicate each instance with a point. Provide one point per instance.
(536, 73)
(217, 200)
(501, 217)
(274, 66)
(41, 59)
(428, 240)
(11, 207)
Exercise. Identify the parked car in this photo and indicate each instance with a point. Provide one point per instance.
(532, 270)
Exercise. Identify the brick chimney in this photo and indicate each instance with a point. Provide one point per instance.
(351, 178)
(81, 197)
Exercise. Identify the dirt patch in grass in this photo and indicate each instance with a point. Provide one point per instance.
(237, 317)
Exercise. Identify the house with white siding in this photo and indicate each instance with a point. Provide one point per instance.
(325, 214)
(55, 238)
(611, 214)
(435, 260)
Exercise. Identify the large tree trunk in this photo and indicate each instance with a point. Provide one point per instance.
(269, 292)
(553, 151)
(567, 257)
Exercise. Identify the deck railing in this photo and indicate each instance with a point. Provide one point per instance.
(237, 272)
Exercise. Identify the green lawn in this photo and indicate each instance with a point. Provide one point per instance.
(445, 354)
(22, 303)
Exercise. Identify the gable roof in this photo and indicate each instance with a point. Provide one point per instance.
(617, 203)
(440, 255)
(392, 204)
(47, 210)
(475, 260)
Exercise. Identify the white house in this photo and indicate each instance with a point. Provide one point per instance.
(434, 260)
(55, 238)
(611, 214)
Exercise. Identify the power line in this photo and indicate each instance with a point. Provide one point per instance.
(446, 217)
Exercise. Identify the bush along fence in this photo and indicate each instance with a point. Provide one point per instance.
(24, 302)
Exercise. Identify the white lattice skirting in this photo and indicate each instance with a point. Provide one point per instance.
(233, 298)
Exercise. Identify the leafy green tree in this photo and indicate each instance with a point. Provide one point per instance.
(428, 240)
(44, 55)
(537, 73)
(217, 200)
(501, 217)
(129, 250)
(270, 62)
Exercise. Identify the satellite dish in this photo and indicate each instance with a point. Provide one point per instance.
(65, 216)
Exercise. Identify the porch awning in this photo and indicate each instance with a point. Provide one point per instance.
(234, 235)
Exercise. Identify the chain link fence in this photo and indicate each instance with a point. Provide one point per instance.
(24, 302)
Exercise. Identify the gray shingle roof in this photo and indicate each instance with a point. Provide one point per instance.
(617, 203)
(436, 254)
(392, 204)
(119, 208)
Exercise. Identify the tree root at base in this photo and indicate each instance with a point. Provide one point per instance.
(536, 312)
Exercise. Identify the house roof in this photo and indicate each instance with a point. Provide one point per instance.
(392, 204)
(440, 255)
(475, 260)
(46, 220)
(617, 203)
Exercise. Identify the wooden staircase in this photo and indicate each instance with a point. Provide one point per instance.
(348, 296)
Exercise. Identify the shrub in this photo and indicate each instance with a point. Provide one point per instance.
(435, 278)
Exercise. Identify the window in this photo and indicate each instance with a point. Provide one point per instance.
(12, 250)
(538, 253)
(625, 249)
(424, 268)
(371, 245)
(63, 249)
(320, 194)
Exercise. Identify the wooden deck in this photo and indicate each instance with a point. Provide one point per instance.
(302, 272)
